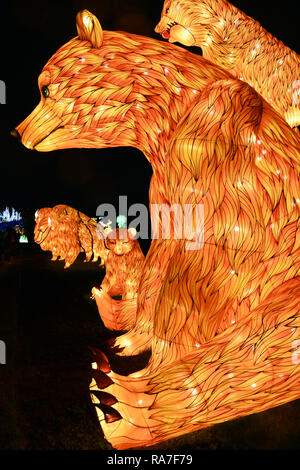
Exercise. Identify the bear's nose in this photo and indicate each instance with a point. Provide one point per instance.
(16, 134)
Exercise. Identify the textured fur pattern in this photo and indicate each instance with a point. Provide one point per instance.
(123, 264)
(66, 232)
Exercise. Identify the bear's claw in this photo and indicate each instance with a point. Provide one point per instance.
(110, 414)
(105, 398)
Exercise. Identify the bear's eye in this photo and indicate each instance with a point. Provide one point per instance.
(45, 91)
(167, 10)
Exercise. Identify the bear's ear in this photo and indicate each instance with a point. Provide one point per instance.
(89, 28)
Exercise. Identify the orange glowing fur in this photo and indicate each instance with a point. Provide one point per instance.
(223, 322)
(124, 265)
(66, 232)
(240, 45)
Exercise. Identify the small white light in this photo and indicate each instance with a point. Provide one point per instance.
(233, 322)
(264, 152)
(236, 228)
(230, 375)
(232, 272)
(94, 365)
(194, 392)
(197, 345)
(258, 159)
(87, 21)
(253, 385)
(140, 402)
(166, 69)
(278, 172)
(259, 142)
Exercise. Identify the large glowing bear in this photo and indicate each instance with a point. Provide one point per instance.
(240, 45)
(222, 321)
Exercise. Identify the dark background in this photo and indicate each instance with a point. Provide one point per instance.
(47, 316)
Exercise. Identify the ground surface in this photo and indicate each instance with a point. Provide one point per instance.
(47, 322)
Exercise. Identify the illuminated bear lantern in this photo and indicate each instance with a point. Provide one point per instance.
(223, 320)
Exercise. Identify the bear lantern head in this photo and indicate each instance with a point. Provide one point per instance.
(86, 93)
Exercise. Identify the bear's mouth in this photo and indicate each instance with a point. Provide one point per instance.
(40, 239)
(166, 33)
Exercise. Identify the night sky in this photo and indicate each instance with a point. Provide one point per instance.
(82, 178)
